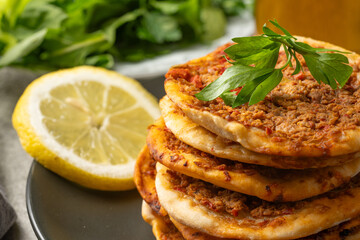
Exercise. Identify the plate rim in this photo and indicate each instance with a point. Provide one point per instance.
(28, 197)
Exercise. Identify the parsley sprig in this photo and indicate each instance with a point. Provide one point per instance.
(253, 62)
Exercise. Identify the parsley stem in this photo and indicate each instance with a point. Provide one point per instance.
(289, 57)
(282, 41)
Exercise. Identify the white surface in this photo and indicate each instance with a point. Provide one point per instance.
(238, 27)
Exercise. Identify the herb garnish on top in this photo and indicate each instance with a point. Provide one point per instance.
(253, 67)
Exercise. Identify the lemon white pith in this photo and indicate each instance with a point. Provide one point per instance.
(86, 124)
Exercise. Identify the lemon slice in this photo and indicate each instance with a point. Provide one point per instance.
(86, 124)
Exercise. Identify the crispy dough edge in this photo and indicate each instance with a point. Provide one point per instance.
(146, 186)
(327, 234)
(193, 234)
(160, 228)
(305, 222)
(256, 139)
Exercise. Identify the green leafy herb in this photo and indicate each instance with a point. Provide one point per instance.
(50, 34)
(24, 47)
(253, 69)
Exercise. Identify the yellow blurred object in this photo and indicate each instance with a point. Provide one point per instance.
(335, 21)
(86, 124)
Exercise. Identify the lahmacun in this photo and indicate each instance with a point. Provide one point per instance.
(271, 184)
(200, 138)
(227, 214)
(167, 228)
(298, 118)
(286, 167)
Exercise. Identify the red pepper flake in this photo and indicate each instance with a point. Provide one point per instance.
(227, 176)
(201, 164)
(209, 204)
(222, 70)
(235, 212)
(299, 76)
(185, 164)
(222, 59)
(268, 131)
(196, 80)
(178, 73)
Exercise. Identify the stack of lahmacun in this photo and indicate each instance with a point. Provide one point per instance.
(284, 168)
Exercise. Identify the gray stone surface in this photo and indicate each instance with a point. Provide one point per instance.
(7, 214)
(14, 161)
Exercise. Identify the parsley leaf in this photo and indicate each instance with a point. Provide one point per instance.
(262, 52)
(329, 68)
(253, 74)
(266, 86)
(233, 77)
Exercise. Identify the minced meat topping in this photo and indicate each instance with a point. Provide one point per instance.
(298, 109)
(225, 201)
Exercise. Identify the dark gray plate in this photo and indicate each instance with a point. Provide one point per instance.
(59, 209)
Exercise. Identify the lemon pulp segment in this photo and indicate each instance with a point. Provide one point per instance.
(100, 124)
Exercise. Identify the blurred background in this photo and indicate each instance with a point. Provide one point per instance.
(52, 34)
(335, 21)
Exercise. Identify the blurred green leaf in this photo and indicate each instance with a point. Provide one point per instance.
(41, 14)
(97, 31)
(214, 23)
(11, 9)
(102, 60)
(161, 28)
(166, 7)
(23, 48)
